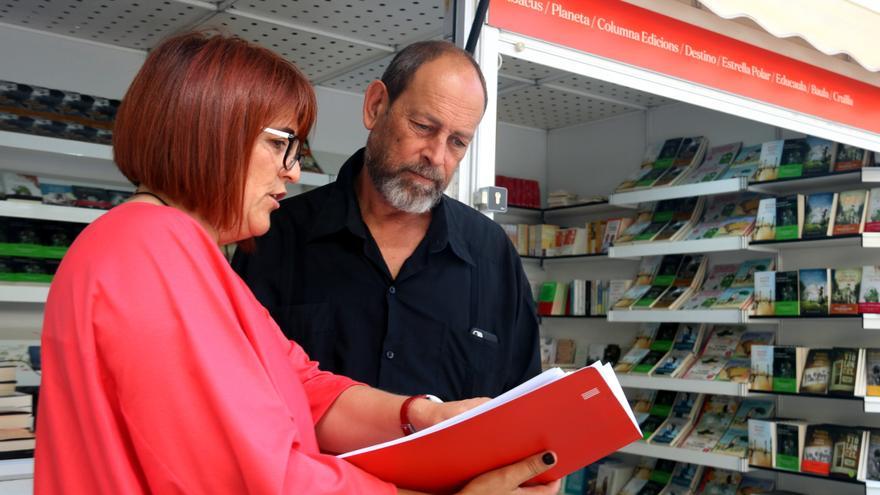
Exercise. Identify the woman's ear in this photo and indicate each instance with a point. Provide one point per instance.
(375, 103)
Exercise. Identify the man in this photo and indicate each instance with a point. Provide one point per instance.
(385, 279)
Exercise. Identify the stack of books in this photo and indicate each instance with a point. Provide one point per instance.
(667, 164)
(17, 438)
(579, 297)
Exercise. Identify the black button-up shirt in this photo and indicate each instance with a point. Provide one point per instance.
(457, 322)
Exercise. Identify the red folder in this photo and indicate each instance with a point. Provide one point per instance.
(578, 416)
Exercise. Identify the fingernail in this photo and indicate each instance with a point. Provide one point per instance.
(548, 458)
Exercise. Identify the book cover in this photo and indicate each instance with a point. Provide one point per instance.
(817, 450)
(813, 283)
(756, 486)
(849, 217)
(91, 197)
(673, 363)
(613, 476)
(668, 153)
(631, 359)
(761, 375)
(57, 194)
(670, 298)
(21, 186)
(753, 338)
(684, 480)
(735, 298)
(787, 294)
(844, 365)
(717, 160)
(752, 409)
(819, 155)
(723, 340)
(768, 163)
(735, 370)
(794, 154)
(745, 164)
(845, 285)
(848, 158)
(872, 372)
(650, 297)
(734, 442)
(745, 273)
(642, 221)
(762, 445)
(684, 160)
(633, 294)
(818, 208)
(546, 297)
(873, 461)
(846, 453)
(669, 267)
(719, 482)
(447, 455)
(869, 293)
(648, 362)
(785, 370)
(789, 444)
(765, 293)
(715, 417)
(872, 215)
(706, 368)
(688, 337)
(765, 222)
(789, 215)
(817, 372)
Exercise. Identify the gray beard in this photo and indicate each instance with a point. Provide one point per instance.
(401, 193)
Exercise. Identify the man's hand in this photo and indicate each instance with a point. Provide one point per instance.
(424, 413)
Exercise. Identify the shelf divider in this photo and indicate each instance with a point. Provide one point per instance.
(710, 459)
(683, 191)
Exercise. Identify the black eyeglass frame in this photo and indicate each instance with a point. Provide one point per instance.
(293, 142)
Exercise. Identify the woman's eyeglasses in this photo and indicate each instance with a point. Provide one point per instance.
(293, 153)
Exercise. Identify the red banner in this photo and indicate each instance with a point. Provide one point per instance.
(626, 33)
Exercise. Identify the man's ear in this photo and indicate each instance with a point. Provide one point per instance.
(375, 103)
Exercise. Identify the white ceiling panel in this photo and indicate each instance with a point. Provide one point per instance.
(546, 108)
(135, 24)
(356, 80)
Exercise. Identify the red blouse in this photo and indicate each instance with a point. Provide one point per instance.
(163, 374)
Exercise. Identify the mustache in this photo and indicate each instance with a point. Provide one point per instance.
(426, 171)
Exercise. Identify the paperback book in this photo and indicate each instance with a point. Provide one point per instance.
(789, 217)
(794, 154)
(761, 375)
(845, 286)
(762, 442)
(869, 292)
(849, 216)
(813, 283)
(817, 372)
(844, 367)
(787, 297)
(848, 158)
(717, 160)
(765, 223)
(771, 154)
(765, 293)
(790, 436)
(818, 450)
(819, 154)
(818, 209)
(745, 164)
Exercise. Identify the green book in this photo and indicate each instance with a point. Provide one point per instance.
(789, 443)
(787, 294)
(785, 370)
(789, 217)
(794, 154)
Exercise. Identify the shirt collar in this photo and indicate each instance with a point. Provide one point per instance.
(341, 211)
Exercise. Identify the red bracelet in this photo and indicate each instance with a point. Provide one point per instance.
(405, 424)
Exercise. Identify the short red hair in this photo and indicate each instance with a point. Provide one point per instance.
(188, 123)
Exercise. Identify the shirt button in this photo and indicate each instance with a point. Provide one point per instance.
(392, 290)
(389, 354)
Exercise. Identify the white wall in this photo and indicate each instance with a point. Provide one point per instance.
(521, 152)
(591, 159)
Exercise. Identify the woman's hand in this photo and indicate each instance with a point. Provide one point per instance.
(509, 478)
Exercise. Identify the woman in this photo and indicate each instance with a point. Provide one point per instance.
(162, 373)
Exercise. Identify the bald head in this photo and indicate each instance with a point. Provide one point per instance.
(407, 62)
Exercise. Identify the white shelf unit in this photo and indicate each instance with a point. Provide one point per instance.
(709, 459)
(872, 405)
(871, 175)
(16, 469)
(872, 488)
(20, 292)
(683, 191)
(56, 146)
(717, 245)
(871, 321)
(40, 211)
(682, 385)
(720, 316)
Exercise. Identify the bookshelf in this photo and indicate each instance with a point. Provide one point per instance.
(720, 316)
(16, 469)
(709, 459)
(681, 385)
(717, 245)
(806, 475)
(39, 211)
(633, 198)
(12, 292)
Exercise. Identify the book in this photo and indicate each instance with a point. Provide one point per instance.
(91, 197)
(790, 437)
(765, 293)
(684, 480)
(690, 153)
(818, 450)
(480, 439)
(794, 155)
(789, 217)
(849, 216)
(869, 292)
(745, 273)
(20, 187)
(847, 157)
(768, 164)
(761, 374)
(818, 209)
(755, 486)
(715, 417)
(819, 155)
(613, 476)
(15, 439)
(817, 372)
(787, 294)
(719, 482)
(873, 460)
(872, 372)
(765, 222)
(650, 297)
(735, 298)
(872, 215)
(814, 291)
(663, 162)
(762, 442)
(716, 162)
(56, 193)
(844, 367)
(845, 285)
(735, 370)
(735, 440)
(788, 365)
(706, 368)
(846, 452)
(679, 421)
(745, 164)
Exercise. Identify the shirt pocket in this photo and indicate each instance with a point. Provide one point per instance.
(311, 326)
(478, 353)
